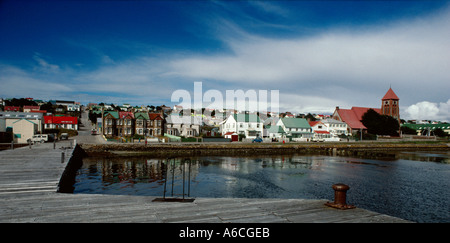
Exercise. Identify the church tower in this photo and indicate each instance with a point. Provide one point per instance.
(389, 104)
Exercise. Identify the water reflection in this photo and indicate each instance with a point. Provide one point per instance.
(438, 157)
(413, 186)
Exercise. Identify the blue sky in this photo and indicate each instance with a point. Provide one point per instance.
(318, 54)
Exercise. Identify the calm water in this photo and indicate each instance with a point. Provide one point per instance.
(409, 185)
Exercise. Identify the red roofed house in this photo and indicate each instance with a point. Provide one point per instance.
(31, 108)
(320, 130)
(353, 116)
(12, 108)
(125, 123)
(155, 125)
(67, 122)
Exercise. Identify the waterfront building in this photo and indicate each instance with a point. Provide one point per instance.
(109, 123)
(155, 124)
(183, 126)
(296, 128)
(353, 117)
(24, 129)
(55, 122)
(125, 124)
(249, 125)
(335, 127)
(390, 104)
(10, 117)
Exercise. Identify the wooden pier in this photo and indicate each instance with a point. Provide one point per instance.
(28, 193)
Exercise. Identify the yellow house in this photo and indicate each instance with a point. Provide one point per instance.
(23, 129)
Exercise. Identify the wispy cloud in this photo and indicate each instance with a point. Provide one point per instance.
(43, 65)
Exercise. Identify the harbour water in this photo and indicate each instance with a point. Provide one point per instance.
(409, 185)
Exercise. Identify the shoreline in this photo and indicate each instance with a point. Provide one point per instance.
(249, 149)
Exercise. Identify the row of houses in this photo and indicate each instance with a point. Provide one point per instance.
(127, 123)
(296, 129)
(23, 125)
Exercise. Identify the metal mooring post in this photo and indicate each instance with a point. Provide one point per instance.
(165, 177)
(189, 176)
(172, 163)
(340, 197)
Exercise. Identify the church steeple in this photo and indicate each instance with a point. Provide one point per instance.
(390, 104)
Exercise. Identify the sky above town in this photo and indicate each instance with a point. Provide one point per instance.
(318, 54)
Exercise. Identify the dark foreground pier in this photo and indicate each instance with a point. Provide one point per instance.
(30, 180)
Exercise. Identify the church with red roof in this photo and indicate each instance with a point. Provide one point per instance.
(353, 116)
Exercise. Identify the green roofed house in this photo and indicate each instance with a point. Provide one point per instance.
(109, 123)
(141, 122)
(276, 132)
(296, 128)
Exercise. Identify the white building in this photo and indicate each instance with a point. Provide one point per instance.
(24, 129)
(247, 124)
(335, 127)
(184, 126)
(296, 128)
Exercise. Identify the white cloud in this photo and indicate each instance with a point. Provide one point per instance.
(425, 110)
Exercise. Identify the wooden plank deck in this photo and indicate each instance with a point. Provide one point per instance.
(29, 179)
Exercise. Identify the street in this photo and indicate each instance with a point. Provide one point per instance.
(84, 131)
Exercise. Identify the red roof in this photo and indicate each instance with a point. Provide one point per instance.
(31, 107)
(390, 95)
(154, 116)
(230, 133)
(12, 108)
(60, 120)
(313, 123)
(354, 115)
(322, 132)
(123, 114)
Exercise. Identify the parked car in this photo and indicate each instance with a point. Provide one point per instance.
(317, 140)
(64, 136)
(39, 138)
(257, 140)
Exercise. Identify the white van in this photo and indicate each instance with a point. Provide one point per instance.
(39, 138)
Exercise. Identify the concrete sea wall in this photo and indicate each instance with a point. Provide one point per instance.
(242, 149)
